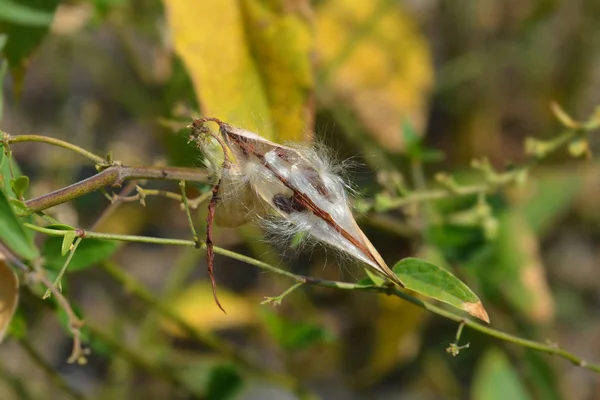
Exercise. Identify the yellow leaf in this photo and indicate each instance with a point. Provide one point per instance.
(375, 61)
(196, 306)
(9, 295)
(249, 62)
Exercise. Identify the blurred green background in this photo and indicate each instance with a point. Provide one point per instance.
(457, 80)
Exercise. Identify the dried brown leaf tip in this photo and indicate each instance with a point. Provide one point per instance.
(477, 310)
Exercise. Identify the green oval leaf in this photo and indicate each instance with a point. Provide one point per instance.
(435, 282)
(67, 242)
(88, 253)
(61, 227)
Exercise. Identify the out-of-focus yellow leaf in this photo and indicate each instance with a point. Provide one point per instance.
(9, 295)
(196, 306)
(249, 62)
(374, 60)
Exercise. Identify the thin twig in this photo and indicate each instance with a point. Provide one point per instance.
(78, 354)
(6, 138)
(545, 348)
(130, 187)
(111, 176)
(188, 213)
(58, 281)
(38, 274)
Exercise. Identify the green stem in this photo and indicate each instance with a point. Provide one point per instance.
(55, 142)
(276, 301)
(188, 214)
(58, 281)
(549, 349)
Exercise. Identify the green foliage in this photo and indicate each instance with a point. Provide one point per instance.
(435, 282)
(12, 233)
(25, 25)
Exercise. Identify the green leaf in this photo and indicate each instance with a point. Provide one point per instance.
(61, 227)
(67, 242)
(496, 379)
(373, 277)
(89, 252)
(18, 13)
(12, 233)
(19, 185)
(20, 208)
(268, 76)
(435, 282)
(5, 166)
(224, 382)
(366, 282)
(25, 31)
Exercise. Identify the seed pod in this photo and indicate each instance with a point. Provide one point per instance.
(295, 184)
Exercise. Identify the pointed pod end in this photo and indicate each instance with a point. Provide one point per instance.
(476, 310)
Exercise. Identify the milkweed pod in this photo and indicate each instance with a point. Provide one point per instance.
(298, 185)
